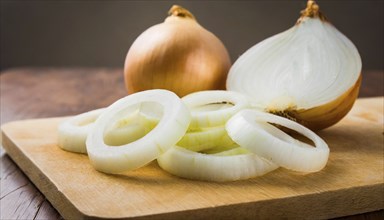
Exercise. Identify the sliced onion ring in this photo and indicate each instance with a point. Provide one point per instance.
(217, 117)
(128, 129)
(205, 139)
(214, 167)
(73, 132)
(249, 129)
(171, 127)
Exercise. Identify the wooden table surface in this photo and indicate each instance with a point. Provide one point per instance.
(49, 92)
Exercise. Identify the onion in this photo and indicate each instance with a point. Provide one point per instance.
(72, 132)
(310, 73)
(128, 129)
(205, 139)
(177, 55)
(231, 165)
(214, 108)
(173, 124)
(153, 124)
(249, 129)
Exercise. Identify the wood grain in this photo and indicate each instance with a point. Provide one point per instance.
(351, 183)
(41, 92)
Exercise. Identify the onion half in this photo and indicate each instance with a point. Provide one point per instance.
(115, 159)
(310, 73)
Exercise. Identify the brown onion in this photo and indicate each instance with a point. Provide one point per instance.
(178, 55)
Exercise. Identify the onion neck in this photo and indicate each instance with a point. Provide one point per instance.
(178, 11)
(311, 11)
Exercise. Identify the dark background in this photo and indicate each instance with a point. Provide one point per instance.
(99, 33)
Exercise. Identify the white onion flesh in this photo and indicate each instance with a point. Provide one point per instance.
(169, 130)
(249, 129)
(213, 107)
(73, 132)
(205, 139)
(306, 66)
(129, 129)
(155, 124)
(230, 166)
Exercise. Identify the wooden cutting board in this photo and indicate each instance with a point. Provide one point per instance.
(351, 183)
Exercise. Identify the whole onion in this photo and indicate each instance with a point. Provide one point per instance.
(178, 55)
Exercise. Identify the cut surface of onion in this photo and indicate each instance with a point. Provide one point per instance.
(205, 139)
(73, 132)
(233, 165)
(251, 129)
(174, 121)
(325, 66)
(214, 107)
(312, 72)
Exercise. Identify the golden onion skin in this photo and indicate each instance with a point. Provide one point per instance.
(324, 116)
(178, 55)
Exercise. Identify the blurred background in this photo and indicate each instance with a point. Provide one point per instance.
(99, 33)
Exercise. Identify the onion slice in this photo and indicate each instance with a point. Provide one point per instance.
(224, 166)
(214, 107)
(206, 139)
(249, 129)
(128, 129)
(73, 132)
(171, 127)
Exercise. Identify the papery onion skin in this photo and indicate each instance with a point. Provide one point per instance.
(178, 55)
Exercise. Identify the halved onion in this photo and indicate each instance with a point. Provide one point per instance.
(214, 107)
(310, 72)
(249, 129)
(173, 124)
(205, 139)
(73, 132)
(235, 164)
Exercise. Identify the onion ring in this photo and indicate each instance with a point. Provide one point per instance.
(171, 127)
(206, 139)
(249, 129)
(73, 132)
(211, 118)
(229, 165)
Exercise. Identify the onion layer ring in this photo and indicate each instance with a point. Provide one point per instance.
(171, 127)
(201, 119)
(73, 132)
(220, 167)
(206, 139)
(249, 129)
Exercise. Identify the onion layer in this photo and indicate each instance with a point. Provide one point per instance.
(73, 132)
(206, 139)
(174, 122)
(214, 107)
(249, 129)
(224, 166)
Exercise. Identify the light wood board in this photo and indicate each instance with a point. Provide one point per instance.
(351, 183)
